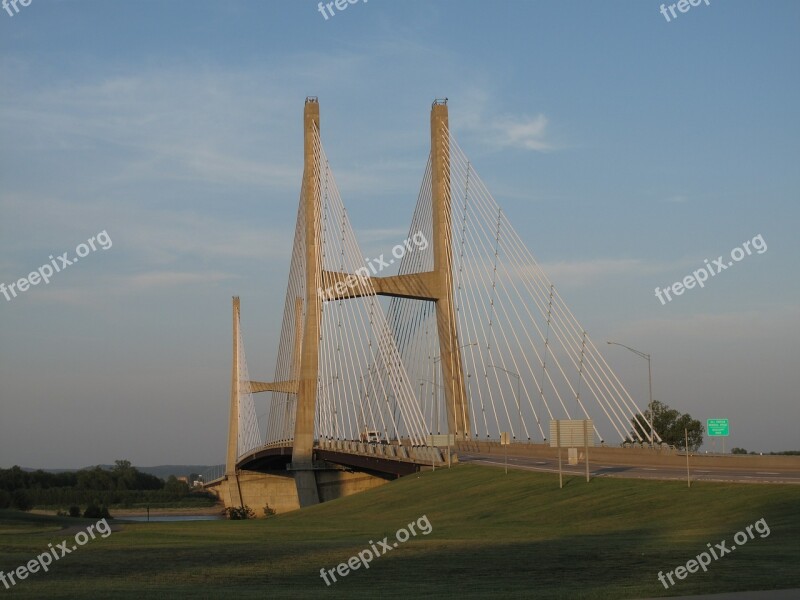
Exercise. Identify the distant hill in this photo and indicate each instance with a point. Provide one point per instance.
(162, 471)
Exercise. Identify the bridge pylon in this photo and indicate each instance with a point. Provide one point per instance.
(449, 347)
(303, 445)
(232, 454)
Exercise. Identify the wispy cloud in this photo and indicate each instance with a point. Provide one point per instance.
(473, 115)
(677, 199)
(162, 279)
(587, 272)
(521, 132)
(146, 126)
(91, 292)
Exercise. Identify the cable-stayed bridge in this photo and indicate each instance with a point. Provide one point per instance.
(469, 339)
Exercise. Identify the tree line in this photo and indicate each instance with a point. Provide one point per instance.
(123, 484)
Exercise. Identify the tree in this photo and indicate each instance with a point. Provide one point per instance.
(95, 479)
(669, 424)
(13, 479)
(738, 451)
(176, 488)
(21, 500)
(92, 511)
(5, 499)
(124, 475)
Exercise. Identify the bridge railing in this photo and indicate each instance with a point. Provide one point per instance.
(419, 454)
(213, 473)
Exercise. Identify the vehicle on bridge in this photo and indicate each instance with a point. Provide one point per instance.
(371, 436)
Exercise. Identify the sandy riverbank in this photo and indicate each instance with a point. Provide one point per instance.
(121, 513)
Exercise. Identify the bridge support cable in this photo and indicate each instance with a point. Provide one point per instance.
(527, 357)
(356, 342)
(502, 274)
(249, 432)
(282, 406)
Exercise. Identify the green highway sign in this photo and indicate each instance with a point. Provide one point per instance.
(717, 427)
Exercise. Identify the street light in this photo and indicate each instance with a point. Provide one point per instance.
(436, 378)
(436, 391)
(650, 381)
(335, 409)
(519, 410)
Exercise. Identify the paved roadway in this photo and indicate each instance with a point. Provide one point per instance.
(636, 472)
(765, 595)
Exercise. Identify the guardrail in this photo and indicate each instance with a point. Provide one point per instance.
(213, 473)
(417, 454)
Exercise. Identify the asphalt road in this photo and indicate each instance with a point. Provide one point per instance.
(635, 472)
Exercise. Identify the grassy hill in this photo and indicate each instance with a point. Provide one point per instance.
(517, 535)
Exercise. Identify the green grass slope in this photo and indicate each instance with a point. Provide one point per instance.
(517, 535)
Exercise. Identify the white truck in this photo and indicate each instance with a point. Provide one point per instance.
(371, 436)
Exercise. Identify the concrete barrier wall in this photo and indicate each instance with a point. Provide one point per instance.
(260, 489)
(279, 491)
(338, 484)
(640, 456)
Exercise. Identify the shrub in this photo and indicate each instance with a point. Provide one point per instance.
(5, 499)
(240, 513)
(74, 511)
(93, 512)
(268, 511)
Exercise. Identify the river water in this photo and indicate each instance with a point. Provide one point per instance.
(172, 518)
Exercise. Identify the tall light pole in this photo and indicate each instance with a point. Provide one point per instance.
(519, 409)
(650, 381)
(434, 402)
(436, 377)
(422, 399)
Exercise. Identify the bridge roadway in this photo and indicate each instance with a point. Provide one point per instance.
(390, 461)
(385, 460)
(641, 464)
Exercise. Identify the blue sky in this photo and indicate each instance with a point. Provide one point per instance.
(626, 148)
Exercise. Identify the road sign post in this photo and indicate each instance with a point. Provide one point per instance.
(688, 479)
(571, 433)
(718, 428)
(558, 445)
(586, 447)
(504, 442)
(443, 439)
